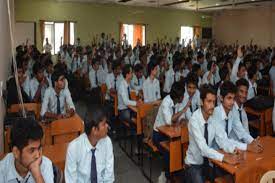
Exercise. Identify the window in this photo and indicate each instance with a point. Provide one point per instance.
(186, 34)
(55, 32)
(134, 32)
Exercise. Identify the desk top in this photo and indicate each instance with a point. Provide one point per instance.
(171, 131)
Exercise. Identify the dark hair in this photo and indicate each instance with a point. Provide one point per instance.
(48, 62)
(209, 65)
(37, 67)
(200, 55)
(116, 64)
(196, 67)
(251, 71)
(96, 60)
(223, 73)
(56, 75)
(192, 78)
(240, 66)
(152, 64)
(177, 91)
(93, 117)
(227, 87)
(242, 82)
(23, 130)
(206, 89)
(138, 67)
(126, 70)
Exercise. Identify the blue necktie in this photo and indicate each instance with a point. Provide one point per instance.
(226, 126)
(129, 93)
(58, 105)
(240, 112)
(93, 168)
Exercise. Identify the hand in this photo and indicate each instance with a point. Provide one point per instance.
(34, 167)
(232, 159)
(239, 52)
(213, 68)
(255, 147)
(139, 102)
(70, 113)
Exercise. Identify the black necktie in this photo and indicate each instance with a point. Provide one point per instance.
(115, 83)
(93, 168)
(96, 79)
(255, 92)
(129, 93)
(138, 82)
(240, 112)
(226, 126)
(205, 160)
(174, 110)
(58, 109)
(214, 82)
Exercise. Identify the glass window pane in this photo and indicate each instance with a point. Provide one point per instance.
(72, 30)
(59, 33)
(187, 34)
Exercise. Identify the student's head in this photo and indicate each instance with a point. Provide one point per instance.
(96, 125)
(26, 135)
(152, 68)
(177, 92)
(47, 40)
(228, 91)
(95, 63)
(224, 74)
(209, 66)
(58, 80)
(242, 90)
(191, 83)
(200, 58)
(138, 70)
(241, 71)
(252, 73)
(116, 68)
(38, 71)
(127, 72)
(49, 66)
(196, 68)
(208, 99)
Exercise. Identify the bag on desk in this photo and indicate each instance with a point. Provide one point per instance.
(260, 102)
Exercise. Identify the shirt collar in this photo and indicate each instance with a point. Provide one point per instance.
(237, 106)
(201, 118)
(223, 113)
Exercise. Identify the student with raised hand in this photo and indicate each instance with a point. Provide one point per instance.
(238, 69)
(212, 75)
(202, 134)
(90, 157)
(26, 163)
(229, 122)
(57, 102)
(252, 79)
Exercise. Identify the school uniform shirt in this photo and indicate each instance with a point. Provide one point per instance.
(123, 96)
(26, 86)
(79, 156)
(169, 58)
(233, 77)
(76, 64)
(49, 78)
(130, 60)
(112, 82)
(34, 84)
(94, 77)
(8, 173)
(214, 79)
(49, 103)
(198, 147)
(185, 72)
(242, 115)
(47, 48)
(85, 65)
(195, 104)
(252, 90)
(151, 90)
(136, 84)
(236, 132)
(170, 78)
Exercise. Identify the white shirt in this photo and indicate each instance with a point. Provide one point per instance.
(49, 78)
(34, 84)
(151, 90)
(169, 80)
(251, 90)
(243, 114)
(198, 148)
(95, 78)
(136, 84)
(233, 76)
(26, 86)
(49, 103)
(79, 156)
(47, 48)
(76, 63)
(112, 83)
(8, 173)
(123, 96)
(214, 79)
(130, 60)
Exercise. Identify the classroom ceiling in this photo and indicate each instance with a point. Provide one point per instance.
(201, 5)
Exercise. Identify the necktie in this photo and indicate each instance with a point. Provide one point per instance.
(226, 126)
(240, 112)
(93, 168)
(205, 160)
(174, 110)
(58, 109)
(138, 82)
(115, 83)
(254, 89)
(214, 82)
(129, 93)
(96, 79)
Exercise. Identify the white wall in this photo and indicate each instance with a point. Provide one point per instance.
(5, 57)
(243, 25)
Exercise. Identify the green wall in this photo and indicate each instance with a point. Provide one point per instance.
(96, 18)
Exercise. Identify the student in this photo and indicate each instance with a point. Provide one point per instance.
(202, 134)
(130, 57)
(212, 75)
(57, 103)
(38, 83)
(48, 72)
(124, 98)
(252, 78)
(94, 77)
(168, 114)
(90, 156)
(137, 79)
(225, 76)
(229, 121)
(47, 48)
(113, 79)
(201, 61)
(238, 69)
(191, 100)
(197, 70)
(25, 163)
(151, 87)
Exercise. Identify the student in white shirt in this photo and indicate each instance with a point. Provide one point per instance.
(197, 70)
(137, 79)
(48, 71)
(225, 76)
(252, 78)
(57, 103)
(47, 47)
(124, 98)
(26, 163)
(201, 61)
(238, 69)
(90, 157)
(130, 57)
(151, 87)
(229, 121)
(168, 114)
(113, 79)
(202, 134)
(212, 75)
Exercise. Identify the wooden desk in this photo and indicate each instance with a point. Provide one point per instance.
(254, 165)
(265, 127)
(56, 153)
(175, 153)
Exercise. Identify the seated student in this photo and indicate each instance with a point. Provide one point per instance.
(225, 76)
(168, 114)
(191, 100)
(241, 97)
(49, 71)
(202, 135)
(137, 79)
(94, 77)
(25, 163)
(57, 102)
(124, 98)
(197, 70)
(212, 75)
(130, 57)
(90, 157)
(252, 78)
(229, 121)
(238, 69)
(201, 61)
(38, 83)
(151, 87)
(12, 97)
